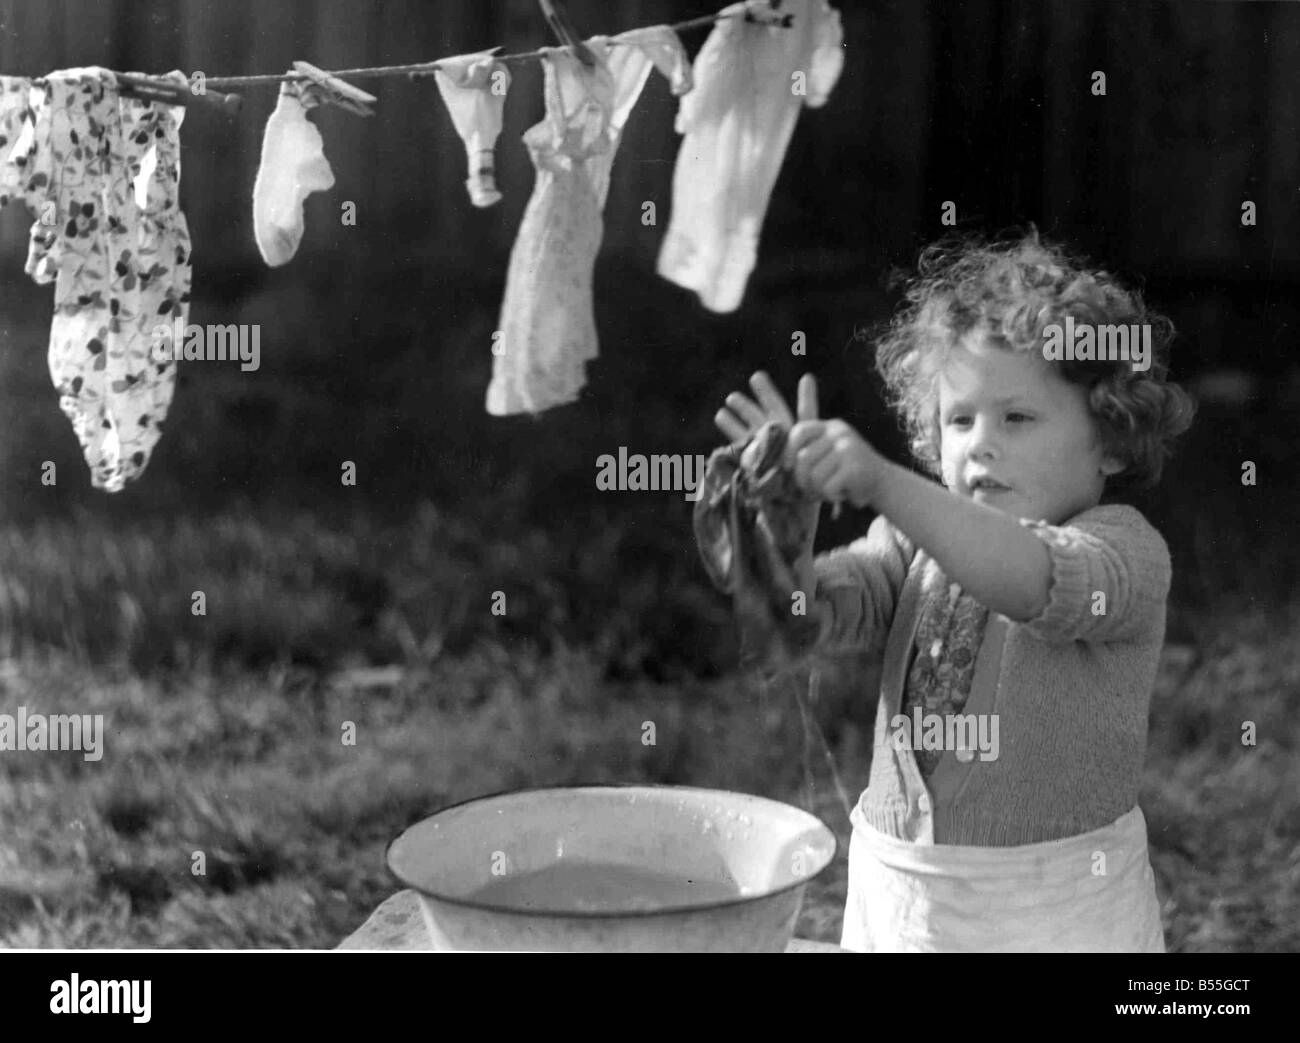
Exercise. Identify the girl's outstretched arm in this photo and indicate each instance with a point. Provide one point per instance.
(1103, 580)
(997, 561)
(995, 558)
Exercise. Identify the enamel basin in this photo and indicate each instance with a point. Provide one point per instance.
(613, 869)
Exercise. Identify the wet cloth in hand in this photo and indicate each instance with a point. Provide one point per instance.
(751, 524)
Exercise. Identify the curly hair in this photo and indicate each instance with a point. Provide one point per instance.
(1011, 290)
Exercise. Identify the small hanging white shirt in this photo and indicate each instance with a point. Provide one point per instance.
(751, 81)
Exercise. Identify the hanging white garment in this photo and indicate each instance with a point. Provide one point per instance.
(751, 81)
(293, 166)
(474, 88)
(547, 328)
(631, 56)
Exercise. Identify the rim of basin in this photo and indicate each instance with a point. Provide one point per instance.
(606, 914)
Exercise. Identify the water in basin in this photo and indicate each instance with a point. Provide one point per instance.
(601, 887)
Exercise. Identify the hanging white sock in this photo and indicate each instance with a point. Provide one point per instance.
(473, 87)
(293, 167)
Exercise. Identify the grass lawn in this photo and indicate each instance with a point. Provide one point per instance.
(224, 730)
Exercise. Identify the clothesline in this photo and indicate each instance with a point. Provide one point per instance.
(427, 68)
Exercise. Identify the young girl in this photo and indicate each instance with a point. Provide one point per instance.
(1011, 603)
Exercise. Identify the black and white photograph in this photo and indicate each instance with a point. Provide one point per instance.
(638, 476)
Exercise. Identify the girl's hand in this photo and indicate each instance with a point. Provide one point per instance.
(742, 416)
(830, 459)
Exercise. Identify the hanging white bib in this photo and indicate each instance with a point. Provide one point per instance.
(1094, 892)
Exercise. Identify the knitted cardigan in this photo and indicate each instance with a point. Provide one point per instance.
(1071, 688)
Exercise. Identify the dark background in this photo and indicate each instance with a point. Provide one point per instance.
(370, 603)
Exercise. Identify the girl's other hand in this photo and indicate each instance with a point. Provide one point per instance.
(742, 416)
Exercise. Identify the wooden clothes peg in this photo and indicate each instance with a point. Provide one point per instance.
(326, 89)
(562, 26)
(168, 92)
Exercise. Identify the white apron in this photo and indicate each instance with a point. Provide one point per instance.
(1094, 892)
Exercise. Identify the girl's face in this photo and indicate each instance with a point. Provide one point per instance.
(1017, 436)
